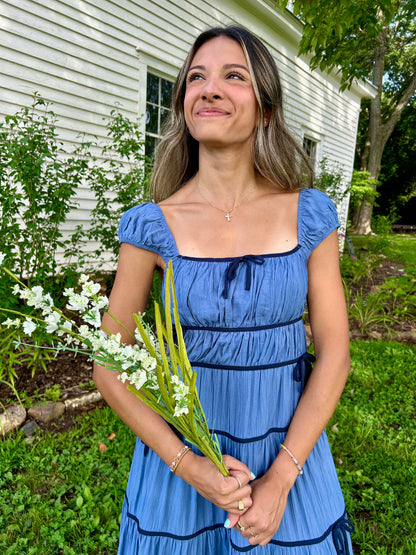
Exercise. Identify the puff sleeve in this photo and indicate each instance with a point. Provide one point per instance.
(144, 226)
(317, 218)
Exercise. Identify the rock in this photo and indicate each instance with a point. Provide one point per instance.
(12, 418)
(405, 336)
(77, 402)
(46, 413)
(29, 428)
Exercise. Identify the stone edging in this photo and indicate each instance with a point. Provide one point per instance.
(15, 415)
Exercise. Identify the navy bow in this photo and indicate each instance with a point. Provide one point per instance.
(231, 271)
(303, 369)
(339, 535)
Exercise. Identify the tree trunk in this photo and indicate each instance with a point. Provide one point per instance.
(375, 148)
(379, 132)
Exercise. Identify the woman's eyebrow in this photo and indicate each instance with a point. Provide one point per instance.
(226, 66)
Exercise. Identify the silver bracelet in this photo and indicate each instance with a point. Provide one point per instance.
(291, 455)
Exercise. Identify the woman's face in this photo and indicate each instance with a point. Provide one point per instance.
(220, 105)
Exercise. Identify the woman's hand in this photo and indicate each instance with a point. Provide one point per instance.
(225, 492)
(269, 495)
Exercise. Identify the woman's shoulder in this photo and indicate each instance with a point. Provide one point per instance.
(317, 217)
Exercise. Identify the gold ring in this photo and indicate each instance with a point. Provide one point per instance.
(241, 505)
(240, 526)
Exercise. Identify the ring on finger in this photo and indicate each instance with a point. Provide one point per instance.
(241, 506)
(238, 480)
(240, 526)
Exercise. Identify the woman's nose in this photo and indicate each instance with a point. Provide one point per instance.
(211, 89)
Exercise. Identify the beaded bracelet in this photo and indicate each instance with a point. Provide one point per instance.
(174, 464)
(293, 458)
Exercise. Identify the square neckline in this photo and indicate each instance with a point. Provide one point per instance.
(231, 258)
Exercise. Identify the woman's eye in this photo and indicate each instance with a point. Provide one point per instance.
(194, 77)
(235, 75)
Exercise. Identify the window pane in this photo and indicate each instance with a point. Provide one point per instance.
(152, 89)
(166, 93)
(151, 119)
(150, 145)
(164, 113)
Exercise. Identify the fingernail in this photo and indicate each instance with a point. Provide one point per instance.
(227, 523)
(253, 475)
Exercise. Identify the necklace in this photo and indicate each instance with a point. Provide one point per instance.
(226, 212)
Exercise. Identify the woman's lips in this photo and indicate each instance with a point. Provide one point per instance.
(211, 112)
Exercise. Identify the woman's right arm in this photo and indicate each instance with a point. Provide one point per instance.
(129, 295)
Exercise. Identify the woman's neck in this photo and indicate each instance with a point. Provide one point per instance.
(226, 175)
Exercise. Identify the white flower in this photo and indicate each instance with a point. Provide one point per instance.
(77, 302)
(90, 288)
(29, 326)
(100, 303)
(16, 289)
(66, 327)
(180, 410)
(93, 317)
(9, 323)
(52, 320)
(2, 257)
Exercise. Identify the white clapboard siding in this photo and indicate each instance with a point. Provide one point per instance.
(87, 56)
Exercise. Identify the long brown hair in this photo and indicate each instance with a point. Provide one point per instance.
(277, 155)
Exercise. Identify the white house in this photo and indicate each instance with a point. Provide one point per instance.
(85, 56)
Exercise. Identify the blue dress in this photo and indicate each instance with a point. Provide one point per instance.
(242, 321)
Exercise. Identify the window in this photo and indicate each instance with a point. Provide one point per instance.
(310, 147)
(158, 95)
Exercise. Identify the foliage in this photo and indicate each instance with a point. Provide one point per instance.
(119, 178)
(37, 188)
(398, 170)
(382, 225)
(341, 34)
(391, 303)
(329, 179)
(373, 439)
(61, 494)
(362, 188)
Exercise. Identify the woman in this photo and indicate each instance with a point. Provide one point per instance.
(248, 242)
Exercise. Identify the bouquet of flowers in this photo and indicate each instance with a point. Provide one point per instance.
(155, 368)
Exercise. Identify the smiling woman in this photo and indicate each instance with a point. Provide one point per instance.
(249, 243)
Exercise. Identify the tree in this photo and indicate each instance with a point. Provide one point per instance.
(398, 170)
(365, 39)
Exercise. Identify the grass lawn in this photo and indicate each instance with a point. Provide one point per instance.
(394, 246)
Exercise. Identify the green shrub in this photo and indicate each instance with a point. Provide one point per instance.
(38, 182)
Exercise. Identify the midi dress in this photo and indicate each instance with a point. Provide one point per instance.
(243, 329)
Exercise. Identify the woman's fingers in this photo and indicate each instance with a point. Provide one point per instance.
(238, 468)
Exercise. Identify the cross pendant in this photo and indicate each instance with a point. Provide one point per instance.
(228, 216)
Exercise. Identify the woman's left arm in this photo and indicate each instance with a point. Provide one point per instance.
(329, 324)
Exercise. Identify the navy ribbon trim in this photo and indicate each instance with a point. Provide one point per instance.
(231, 271)
(339, 530)
(250, 439)
(303, 369)
(339, 535)
(240, 329)
(300, 372)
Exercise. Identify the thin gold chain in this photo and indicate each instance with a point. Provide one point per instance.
(226, 212)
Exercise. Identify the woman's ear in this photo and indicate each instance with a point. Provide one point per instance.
(266, 117)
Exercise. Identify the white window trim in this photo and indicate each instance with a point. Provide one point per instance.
(149, 63)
